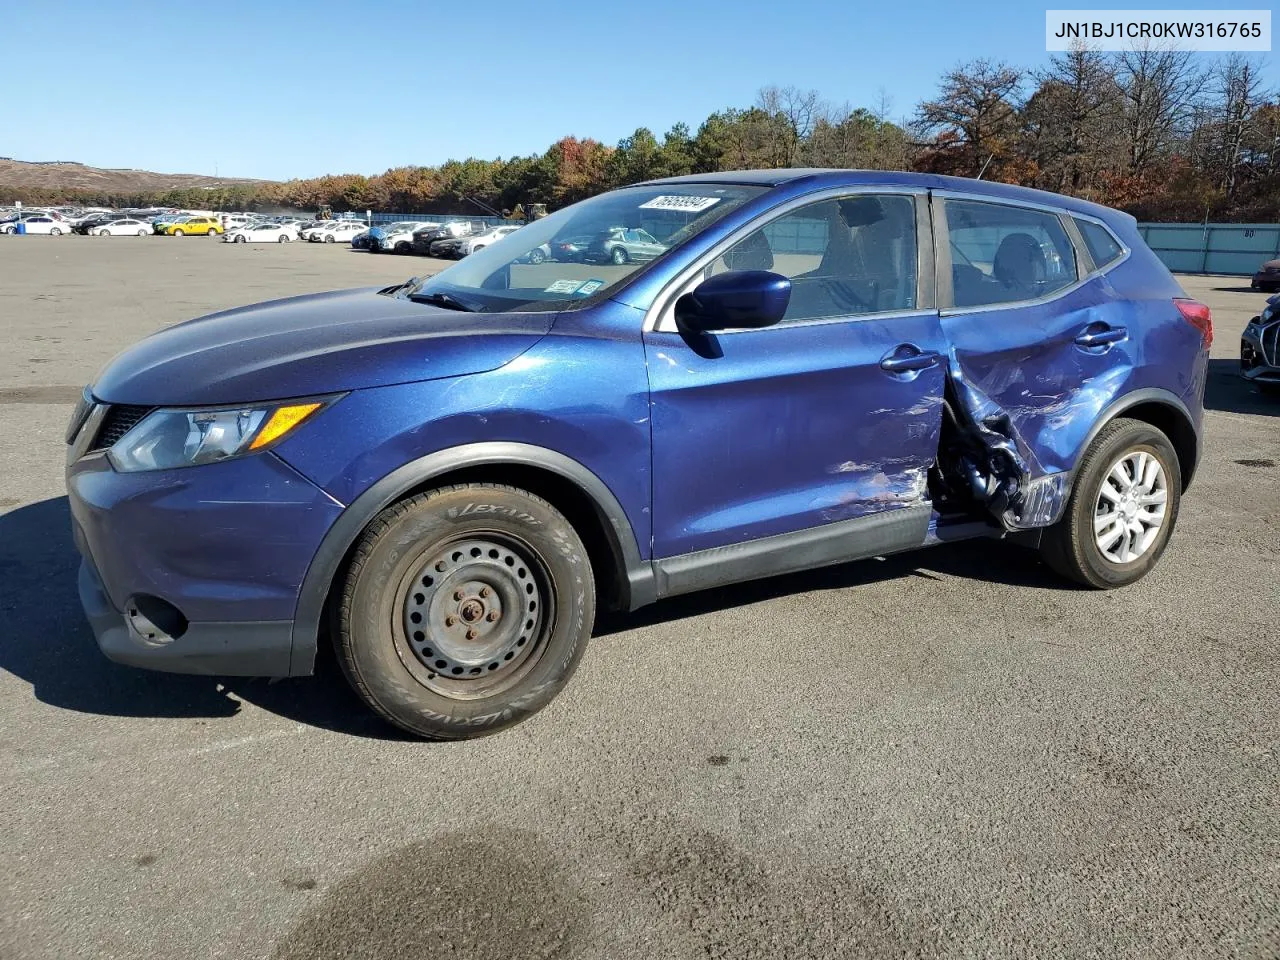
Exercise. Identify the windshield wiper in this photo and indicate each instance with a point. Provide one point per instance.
(442, 300)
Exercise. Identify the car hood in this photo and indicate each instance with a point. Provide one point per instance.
(310, 345)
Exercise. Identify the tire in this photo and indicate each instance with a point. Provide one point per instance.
(467, 554)
(282, 239)
(328, 238)
(55, 232)
(618, 256)
(402, 248)
(1072, 548)
(178, 233)
(536, 255)
(104, 232)
(240, 238)
(142, 233)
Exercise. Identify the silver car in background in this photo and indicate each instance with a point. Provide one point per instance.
(1260, 348)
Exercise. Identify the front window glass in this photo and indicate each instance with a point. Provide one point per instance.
(571, 255)
(848, 256)
(1002, 254)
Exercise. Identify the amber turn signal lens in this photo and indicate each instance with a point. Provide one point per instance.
(281, 422)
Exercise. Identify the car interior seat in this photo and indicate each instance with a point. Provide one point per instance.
(1020, 266)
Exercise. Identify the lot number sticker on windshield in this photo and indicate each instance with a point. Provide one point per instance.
(590, 287)
(680, 202)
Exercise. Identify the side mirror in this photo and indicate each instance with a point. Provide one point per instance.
(734, 300)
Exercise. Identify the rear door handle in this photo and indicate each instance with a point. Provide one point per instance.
(1102, 338)
(907, 358)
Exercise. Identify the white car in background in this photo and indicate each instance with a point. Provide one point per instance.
(124, 227)
(336, 231)
(261, 233)
(39, 223)
(469, 245)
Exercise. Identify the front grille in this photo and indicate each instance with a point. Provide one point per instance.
(1271, 344)
(119, 420)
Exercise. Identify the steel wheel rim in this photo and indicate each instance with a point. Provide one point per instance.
(472, 615)
(1131, 507)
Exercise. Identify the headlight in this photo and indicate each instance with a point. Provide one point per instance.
(165, 439)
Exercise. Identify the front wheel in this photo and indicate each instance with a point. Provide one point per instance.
(142, 233)
(282, 239)
(179, 233)
(1122, 510)
(619, 256)
(465, 610)
(104, 232)
(536, 256)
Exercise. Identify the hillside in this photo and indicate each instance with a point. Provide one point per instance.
(76, 177)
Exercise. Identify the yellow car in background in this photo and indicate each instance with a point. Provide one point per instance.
(193, 226)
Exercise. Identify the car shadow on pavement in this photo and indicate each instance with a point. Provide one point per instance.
(46, 641)
(992, 561)
(1225, 389)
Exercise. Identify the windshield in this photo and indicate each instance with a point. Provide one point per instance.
(571, 255)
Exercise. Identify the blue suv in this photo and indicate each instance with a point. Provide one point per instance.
(447, 477)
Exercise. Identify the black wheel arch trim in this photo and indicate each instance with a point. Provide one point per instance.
(1137, 398)
(637, 586)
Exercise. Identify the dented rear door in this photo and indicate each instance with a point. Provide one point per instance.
(1031, 362)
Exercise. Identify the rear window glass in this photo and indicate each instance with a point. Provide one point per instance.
(1102, 245)
(1003, 254)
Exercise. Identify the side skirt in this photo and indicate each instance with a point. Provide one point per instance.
(892, 531)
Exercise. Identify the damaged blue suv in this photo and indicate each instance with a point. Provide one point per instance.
(447, 477)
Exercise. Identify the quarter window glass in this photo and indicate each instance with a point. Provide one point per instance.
(1102, 245)
(1002, 254)
(844, 257)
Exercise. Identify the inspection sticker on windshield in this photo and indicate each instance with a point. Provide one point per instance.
(680, 202)
(588, 288)
(564, 286)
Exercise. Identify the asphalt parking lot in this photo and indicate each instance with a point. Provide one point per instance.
(948, 753)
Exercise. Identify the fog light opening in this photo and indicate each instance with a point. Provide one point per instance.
(154, 620)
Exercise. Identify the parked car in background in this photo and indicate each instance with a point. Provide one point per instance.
(121, 227)
(394, 237)
(40, 223)
(261, 233)
(1260, 348)
(623, 245)
(469, 245)
(194, 227)
(86, 225)
(1268, 277)
(336, 231)
(449, 230)
(571, 249)
(165, 220)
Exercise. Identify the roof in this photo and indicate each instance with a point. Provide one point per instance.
(820, 177)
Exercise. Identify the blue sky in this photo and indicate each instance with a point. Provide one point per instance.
(244, 89)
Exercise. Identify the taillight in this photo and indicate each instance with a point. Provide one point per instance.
(1198, 315)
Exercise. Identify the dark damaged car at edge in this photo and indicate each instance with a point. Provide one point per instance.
(447, 478)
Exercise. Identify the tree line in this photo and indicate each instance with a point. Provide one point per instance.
(1156, 132)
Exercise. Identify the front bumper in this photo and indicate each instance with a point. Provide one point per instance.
(1262, 280)
(222, 547)
(244, 649)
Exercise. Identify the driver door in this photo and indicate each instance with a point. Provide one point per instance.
(817, 430)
